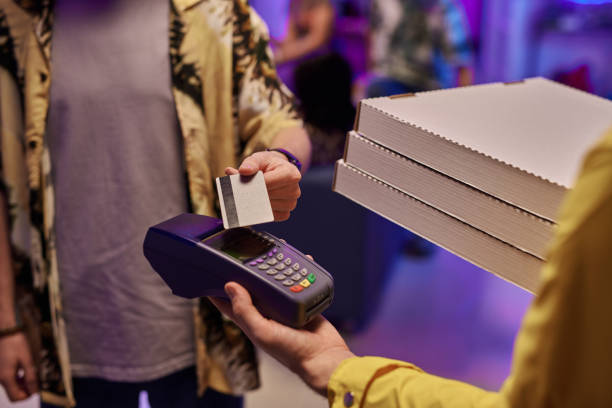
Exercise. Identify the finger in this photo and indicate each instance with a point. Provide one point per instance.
(316, 323)
(230, 171)
(283, 205)
(13, 391)
(246, 315)
(285, 192)
(281, 215)
(30, 377)
(250, 165)
(310, 257)
(282, 176)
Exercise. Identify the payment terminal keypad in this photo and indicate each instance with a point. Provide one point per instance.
(281, 268)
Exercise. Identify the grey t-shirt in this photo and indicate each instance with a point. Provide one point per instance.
(117, 169)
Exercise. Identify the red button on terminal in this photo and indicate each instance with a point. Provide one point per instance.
(297, 288)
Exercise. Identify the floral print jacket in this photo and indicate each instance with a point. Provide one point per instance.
(229, 102)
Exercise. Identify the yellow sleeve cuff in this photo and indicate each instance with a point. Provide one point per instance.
(350, 381)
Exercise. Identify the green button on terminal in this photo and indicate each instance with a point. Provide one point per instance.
(311, 277)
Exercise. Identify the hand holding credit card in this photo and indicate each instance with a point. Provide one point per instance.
(244, 200)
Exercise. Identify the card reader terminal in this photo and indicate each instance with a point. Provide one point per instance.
(195, 256)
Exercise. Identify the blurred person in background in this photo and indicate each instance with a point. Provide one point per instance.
(116, 115)
(323, 88)
(309, 31)
(413, 43)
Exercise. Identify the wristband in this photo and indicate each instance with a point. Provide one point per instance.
(9, 331)
(292, 159)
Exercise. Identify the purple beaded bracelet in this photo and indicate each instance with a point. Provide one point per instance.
(292, 159)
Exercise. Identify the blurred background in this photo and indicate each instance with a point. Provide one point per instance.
(399, 296)
(567, 40)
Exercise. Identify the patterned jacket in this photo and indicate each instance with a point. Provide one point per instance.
(229, 103)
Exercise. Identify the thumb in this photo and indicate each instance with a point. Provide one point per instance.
(247, 316)
(250, 165)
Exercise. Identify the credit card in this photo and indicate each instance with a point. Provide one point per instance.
(244, 200)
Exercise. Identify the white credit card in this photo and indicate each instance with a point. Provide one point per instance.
(244, 200)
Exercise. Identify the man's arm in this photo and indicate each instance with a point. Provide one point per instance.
(17, 372)
(282, 178)
(318, 354)
(268, 118)
(296, 141)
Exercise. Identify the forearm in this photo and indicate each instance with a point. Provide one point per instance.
(7, 299)
(319, 33)
(296, 141)
(375, 381)
(291, 50)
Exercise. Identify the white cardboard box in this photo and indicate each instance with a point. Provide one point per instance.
(511, 151)
(521, 142)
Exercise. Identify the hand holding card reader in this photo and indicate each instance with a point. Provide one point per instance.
(196, 257)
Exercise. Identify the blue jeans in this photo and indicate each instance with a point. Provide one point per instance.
(178, 390)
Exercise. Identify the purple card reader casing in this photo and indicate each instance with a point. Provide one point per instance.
(195, 256)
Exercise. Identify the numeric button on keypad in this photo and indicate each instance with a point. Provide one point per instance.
(263, 267)
(288, 282)
(296, 277)
(280, 267)
(271, 271)
(272, 261)
(279, 277)
(287, 261)
(304, 272)
(280, 257)
(296, 266)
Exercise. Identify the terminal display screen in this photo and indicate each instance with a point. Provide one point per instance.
(240, 243)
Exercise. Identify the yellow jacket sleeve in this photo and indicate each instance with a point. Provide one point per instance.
(562, 356)
(379, 382)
